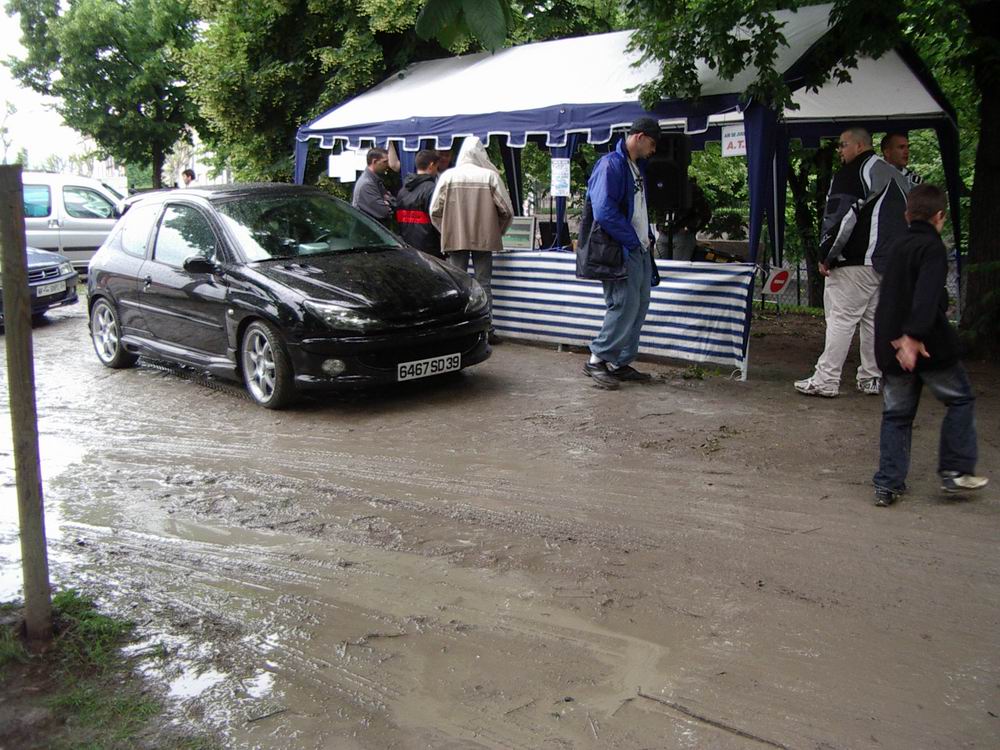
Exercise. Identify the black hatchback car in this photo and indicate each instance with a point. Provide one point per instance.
(281, 286)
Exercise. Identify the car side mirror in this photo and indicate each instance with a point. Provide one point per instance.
(200, 264)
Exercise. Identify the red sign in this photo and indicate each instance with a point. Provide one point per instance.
(776, 281)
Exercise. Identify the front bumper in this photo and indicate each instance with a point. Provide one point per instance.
(49, 301)
(373, 360)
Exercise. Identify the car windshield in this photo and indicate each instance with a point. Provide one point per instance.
(292, 226)
(112, 190)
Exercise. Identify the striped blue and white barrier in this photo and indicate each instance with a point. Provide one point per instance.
(697, 313)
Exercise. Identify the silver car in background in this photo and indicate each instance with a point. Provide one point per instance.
(68, 214)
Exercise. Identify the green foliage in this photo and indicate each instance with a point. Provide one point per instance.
(88, 640)
(723, 180)
(11, 648)
(120, 717)
(115, 66)
(736, 35)
(454, 23)
(260, 71)
(86, 680)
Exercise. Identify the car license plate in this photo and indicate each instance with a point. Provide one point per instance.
(423, 368)
(48, 289)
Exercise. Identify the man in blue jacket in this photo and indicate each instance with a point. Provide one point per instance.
(616, 214)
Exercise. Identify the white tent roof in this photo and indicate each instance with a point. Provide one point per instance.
(589, 84)
(885, 87)
(595, 69)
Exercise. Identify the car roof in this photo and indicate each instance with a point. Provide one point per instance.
(223, 192)
(60, 178)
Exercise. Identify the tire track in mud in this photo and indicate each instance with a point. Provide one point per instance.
(370, 664)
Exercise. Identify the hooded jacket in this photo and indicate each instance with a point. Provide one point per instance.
(471, 207)
(413, 216)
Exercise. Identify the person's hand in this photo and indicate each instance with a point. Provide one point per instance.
(824, 269)
(908, 350)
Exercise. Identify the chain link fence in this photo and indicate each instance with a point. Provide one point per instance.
(796, 291)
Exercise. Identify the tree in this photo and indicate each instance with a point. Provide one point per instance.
(5, 138)
(115, 66)
(262, 70)
(966, 34)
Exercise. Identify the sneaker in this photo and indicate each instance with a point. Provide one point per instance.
(627, 372)
(953, 481)
(884, 498)
(870, 386)
(602, 378)
(808, 388)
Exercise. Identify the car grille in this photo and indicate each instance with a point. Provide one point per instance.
(387, 359)
(41, 274)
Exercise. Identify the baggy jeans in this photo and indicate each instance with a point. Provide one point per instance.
(957, 450)
(628, 300)
(849, 301)
(482, 266)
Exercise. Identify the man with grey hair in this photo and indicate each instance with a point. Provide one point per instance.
(865, 210)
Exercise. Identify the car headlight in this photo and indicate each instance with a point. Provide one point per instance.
(65, 268)
(337, 316)
(477, 298)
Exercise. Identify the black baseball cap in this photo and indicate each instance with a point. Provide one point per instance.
(647, 126)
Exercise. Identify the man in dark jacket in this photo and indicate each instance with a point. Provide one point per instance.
(916, 346)
(370, 193)
(413, 204)
(863, 215)
(615, 212)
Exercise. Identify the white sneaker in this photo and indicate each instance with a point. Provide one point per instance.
(870, 386)
(808, 388)
(952, 481)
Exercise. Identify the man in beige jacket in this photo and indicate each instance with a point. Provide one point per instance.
(471, 208)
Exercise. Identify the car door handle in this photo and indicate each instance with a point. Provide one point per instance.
(147, 282)
(53, 223)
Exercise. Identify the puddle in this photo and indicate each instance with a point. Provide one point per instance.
(192, 684)
(57, 453)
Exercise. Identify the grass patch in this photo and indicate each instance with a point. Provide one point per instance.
(781, 308)
(82, 693)
(697, 372)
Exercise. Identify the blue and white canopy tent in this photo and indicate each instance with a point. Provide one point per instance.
(565, 92)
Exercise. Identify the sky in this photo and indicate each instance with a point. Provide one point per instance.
(35, 126)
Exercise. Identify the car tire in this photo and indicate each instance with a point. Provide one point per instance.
(105, 333)
(267, 370)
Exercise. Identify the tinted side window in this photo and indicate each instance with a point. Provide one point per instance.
(37, 201)
(83, 203)
(136, 226)
(184, 232)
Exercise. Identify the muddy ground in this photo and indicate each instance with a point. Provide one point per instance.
(511, 558)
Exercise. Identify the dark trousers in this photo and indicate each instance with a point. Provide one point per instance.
(901, 397)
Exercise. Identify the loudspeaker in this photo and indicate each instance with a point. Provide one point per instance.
(667, 186)
(547, 229)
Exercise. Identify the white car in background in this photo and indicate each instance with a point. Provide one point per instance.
(69, 214)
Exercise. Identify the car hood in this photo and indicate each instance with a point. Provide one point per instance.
(38, 257)
(393, 284)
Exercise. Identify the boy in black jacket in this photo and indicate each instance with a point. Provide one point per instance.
(916, 346)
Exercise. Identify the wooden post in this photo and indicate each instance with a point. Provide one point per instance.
(23, 416)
